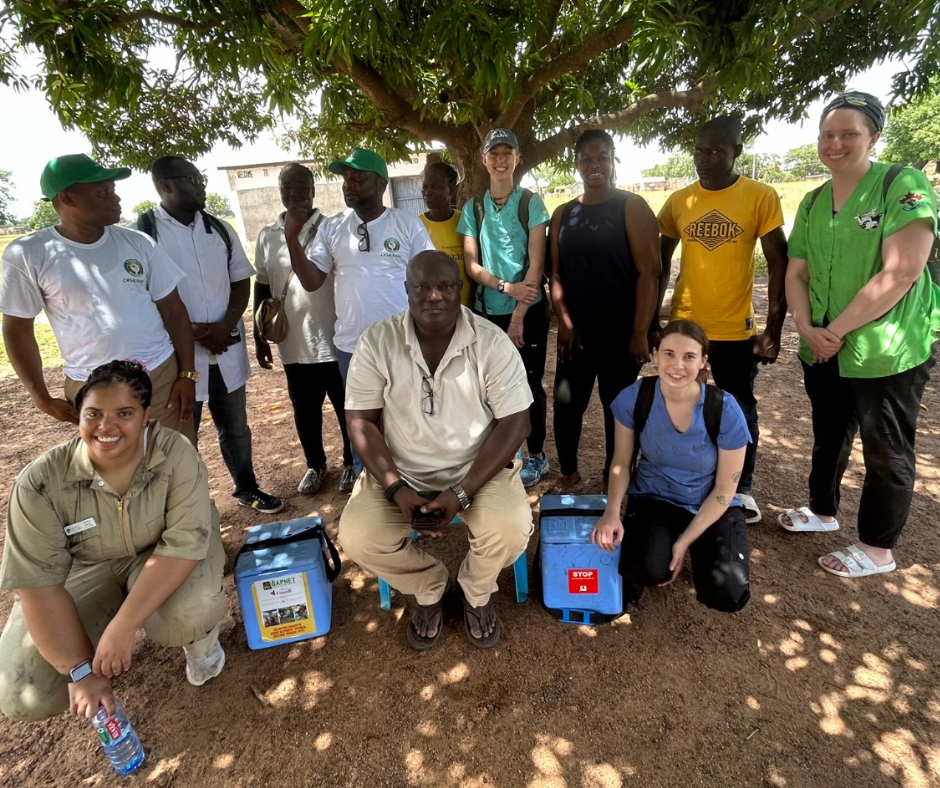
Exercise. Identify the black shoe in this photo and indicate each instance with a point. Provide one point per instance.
(260, 501)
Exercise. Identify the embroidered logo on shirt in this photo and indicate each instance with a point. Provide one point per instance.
(133, 267)
(392, 245)
(911, 201)
(869, 221)
(712, 230)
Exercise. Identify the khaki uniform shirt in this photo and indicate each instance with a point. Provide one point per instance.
(480, 379)
(62, 512)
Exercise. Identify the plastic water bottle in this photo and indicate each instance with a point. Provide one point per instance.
(118, 739)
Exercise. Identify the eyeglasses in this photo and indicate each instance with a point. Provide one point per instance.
(427, 402)
(363, 232)
(194, 180)
(444, 288)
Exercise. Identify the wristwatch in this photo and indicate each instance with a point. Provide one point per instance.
(465, 500)
(81, 671)
(193, 376)
(501, 287)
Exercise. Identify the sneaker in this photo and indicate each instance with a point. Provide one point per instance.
(533, 469)
(312, 480)
(199, 671)
(261, 502)
(348, 479)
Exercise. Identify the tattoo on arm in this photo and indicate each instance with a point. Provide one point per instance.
(736, 478)
(723, 500)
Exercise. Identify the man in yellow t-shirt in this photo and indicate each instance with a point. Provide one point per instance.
(719, 220)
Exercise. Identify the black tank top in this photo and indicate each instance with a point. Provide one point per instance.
(597, 268)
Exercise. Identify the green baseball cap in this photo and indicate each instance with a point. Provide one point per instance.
(66, 171)
(361, 159)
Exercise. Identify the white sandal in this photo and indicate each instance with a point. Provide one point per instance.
(858, 563)
(750, 505)
(813, 522)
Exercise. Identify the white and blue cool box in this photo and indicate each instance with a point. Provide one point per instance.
(281, 575)
(577, 575)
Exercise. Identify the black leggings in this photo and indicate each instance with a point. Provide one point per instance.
(720, 561)
(308, 385)
(535, 337)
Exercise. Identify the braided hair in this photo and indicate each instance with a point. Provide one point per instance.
(131, 373)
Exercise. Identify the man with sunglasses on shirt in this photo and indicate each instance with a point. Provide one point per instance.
(437, 405)
(367, 246)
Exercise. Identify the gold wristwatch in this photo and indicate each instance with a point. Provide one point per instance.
(193, 376)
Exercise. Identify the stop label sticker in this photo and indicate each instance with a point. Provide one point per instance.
(582, 581)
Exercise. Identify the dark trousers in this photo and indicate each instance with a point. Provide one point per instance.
(308, 385)
(734, 369)
(884, 411)
(611, 365)
(344, 359)
(230, 417)
(535, 336)
(720, 561)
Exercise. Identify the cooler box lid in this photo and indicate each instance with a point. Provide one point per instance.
(569, 519)
(274, 547)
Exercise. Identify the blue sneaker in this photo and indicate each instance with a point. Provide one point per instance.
(533, 469)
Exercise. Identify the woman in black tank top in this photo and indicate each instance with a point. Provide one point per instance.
(605, 271)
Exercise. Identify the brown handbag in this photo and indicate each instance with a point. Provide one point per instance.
(270, 319)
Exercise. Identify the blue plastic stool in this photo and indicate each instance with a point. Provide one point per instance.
(520, 569)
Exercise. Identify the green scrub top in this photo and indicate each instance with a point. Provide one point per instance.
(844, 252)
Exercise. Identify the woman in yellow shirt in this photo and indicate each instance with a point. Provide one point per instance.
(440, 220)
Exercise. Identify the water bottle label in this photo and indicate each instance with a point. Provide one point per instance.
(109, 732)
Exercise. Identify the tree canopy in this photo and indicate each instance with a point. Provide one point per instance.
(145, 78)
(44, 215)
(913, 130)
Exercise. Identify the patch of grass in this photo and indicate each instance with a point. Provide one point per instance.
(48, 349)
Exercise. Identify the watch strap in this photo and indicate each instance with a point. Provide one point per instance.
(465, 500)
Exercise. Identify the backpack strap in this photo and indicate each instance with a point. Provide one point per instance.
(147, 223)
(476, 291)
(211, 223)
(641, 412)
(714, 402)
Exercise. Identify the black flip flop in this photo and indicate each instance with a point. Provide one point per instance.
(428, 612)
(479, 613)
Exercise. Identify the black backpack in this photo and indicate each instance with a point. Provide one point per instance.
(147, 224)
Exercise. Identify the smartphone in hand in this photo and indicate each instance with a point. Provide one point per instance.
(427, 520)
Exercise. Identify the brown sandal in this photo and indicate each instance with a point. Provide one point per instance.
(426, 614)
(479, 614)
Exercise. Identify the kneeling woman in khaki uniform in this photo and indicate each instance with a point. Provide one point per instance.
(109, 532)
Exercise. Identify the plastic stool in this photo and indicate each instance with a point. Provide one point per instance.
(520, 569)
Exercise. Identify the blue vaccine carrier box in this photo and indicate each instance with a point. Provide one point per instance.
(284, 582)
(577, 577)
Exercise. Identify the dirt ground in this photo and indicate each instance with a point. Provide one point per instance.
(817, 682)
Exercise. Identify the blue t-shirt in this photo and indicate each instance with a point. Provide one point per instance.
(679, 467)
(503, 243)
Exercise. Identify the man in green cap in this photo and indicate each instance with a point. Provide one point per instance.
(368, 246)
(108, 292)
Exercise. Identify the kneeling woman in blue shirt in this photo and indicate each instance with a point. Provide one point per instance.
(682, 495)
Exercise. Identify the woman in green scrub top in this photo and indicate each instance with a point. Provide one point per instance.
(867, 314)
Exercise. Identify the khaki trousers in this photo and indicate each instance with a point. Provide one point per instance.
(32, 690)
(375, 535)
(162, 378)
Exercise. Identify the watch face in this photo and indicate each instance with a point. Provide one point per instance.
(80, 671)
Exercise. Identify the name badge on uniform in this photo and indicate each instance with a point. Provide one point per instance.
(83, 525)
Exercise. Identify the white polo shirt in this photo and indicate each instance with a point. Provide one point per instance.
(99, 297)
(369, 285)
(310, 315)
(481, 378)
(203, 256)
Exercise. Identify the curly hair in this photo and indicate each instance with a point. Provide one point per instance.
(445, 169)
(131, 373)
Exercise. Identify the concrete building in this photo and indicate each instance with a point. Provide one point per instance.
(257, 200)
